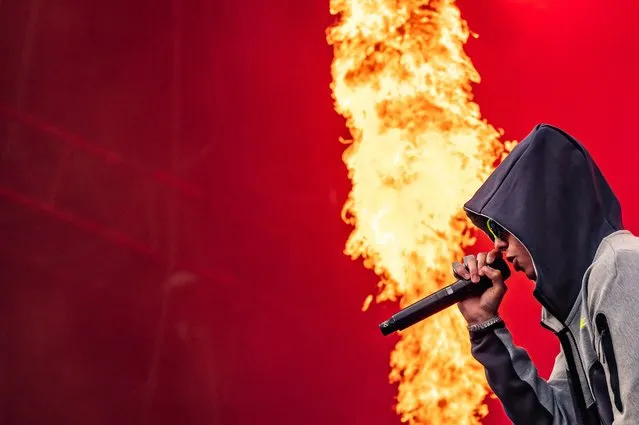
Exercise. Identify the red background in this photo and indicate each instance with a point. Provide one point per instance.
(279, 335)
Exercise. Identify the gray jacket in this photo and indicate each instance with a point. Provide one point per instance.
(551, 196)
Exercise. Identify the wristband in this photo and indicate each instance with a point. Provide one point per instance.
(485, 325)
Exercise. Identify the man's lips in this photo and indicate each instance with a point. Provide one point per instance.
(515, 263)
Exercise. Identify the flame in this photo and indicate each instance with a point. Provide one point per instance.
(419, 150)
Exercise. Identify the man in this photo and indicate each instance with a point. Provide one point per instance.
(551, 213)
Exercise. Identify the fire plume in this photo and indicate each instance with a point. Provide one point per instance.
(419, 150)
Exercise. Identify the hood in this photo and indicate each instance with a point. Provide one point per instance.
(549, 194)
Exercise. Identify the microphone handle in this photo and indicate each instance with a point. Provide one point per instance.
(434, 303)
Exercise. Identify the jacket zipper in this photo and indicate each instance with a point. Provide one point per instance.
(584, 415)
(609, 358)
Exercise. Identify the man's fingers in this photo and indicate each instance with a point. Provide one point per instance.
(460, 270)
(476, 266)
(492, 256)
(481, 262)
(471, 262)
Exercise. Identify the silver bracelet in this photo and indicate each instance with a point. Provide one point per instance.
(485, 325)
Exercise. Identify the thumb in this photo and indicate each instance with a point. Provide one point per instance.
(499, 288)
(493, 255)
(494, 275)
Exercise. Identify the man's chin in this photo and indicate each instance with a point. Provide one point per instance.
(530, 275)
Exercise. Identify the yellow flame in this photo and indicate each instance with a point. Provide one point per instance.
(419, 150)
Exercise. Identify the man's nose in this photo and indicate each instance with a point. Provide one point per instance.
(500, 245)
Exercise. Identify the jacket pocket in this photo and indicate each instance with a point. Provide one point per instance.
(609, 358)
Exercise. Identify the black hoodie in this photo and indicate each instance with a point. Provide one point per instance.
(549, 193)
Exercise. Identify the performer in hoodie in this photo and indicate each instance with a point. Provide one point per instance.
(550, 212)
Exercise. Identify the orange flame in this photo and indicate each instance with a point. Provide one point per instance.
(419, 150)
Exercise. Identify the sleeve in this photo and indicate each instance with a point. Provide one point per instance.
(613, 303)
(511, 374)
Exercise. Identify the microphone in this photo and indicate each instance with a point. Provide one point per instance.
(442, 299)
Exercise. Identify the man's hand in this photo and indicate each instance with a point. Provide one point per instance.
(484, 307)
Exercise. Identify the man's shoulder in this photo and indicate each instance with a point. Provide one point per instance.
(617, 255)
(619, 245)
